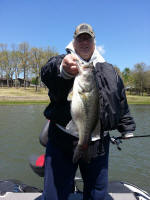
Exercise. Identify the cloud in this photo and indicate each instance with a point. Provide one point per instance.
(101, 49)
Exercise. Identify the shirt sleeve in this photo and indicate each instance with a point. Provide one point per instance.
(126, 123)
(51, 77)
(64, 74)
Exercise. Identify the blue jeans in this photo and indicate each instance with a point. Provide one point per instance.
(60, 172)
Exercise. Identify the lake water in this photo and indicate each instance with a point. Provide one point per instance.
(20, 127)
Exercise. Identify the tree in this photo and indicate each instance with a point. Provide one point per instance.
(139, 77)
(126, 74)
(15, 62)
(118, 70)
(36, 62)
(127, 77)
(38, 57)
(48, 53)
(1, 65)
(24, 59)
(5, 61)
(147, 81)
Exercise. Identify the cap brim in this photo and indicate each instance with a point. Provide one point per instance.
(84, 32)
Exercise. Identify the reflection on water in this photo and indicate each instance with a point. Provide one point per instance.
(20, 127)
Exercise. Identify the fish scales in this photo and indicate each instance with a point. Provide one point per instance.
(84, 108)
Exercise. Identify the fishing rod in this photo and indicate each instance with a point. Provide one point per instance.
(136, 136)
(118, 140)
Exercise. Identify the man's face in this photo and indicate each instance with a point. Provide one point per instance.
(84, 46)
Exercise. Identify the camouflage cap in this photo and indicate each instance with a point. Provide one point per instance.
(84, 28)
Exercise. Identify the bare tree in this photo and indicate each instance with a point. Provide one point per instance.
(6, 63)
(48, 53)
(24, 59)
(36, 62)
(16, 63)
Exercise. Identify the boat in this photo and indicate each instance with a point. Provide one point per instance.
(16, 190)
(118, 190)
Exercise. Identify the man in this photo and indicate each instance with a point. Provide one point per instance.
(58, 75)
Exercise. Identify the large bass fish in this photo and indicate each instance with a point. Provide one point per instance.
(84, 108)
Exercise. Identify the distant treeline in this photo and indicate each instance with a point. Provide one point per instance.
(137, 80)
(24, 61)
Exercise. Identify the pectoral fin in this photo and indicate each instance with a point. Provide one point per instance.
(69, 98)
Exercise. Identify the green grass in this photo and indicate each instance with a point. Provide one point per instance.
(28, 96)
(23, 102)
(138, 99)
(21, 96)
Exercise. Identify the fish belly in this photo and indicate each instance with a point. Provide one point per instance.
(84, 111)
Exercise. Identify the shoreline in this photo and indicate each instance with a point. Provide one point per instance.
(23, 100)
(45, 101)
(5, 103)
(28, 96)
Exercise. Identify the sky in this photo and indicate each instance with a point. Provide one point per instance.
(122, 27)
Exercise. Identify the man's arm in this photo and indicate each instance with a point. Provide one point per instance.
(126, 124)
(51, 77)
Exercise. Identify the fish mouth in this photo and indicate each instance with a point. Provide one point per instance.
(85, 67)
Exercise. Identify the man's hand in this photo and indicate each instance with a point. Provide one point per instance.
(69, 64)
